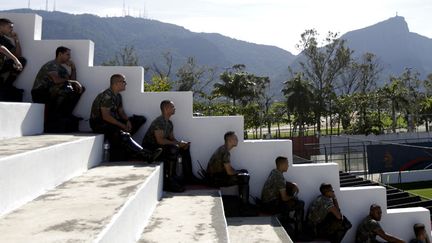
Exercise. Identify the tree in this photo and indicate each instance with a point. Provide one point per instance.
(322, 66)
(278, 110)
(426, 111)
(395, 92)
(192, 77)
(165, 70)
(158, 84)
(236, 84)
(410, 79)
(358, 84)
(126, 57)
(299, 99)
(160, 80)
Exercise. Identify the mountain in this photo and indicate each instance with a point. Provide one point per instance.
(151, 39)
(394, 45)
(391, 41)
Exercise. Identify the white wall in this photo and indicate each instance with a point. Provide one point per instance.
(20, 119)
(406, 176)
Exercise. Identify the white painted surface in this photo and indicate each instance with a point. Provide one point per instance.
(190, 216)
(20, 119)
(406, 176)
(310, 176)
(400, 221)
(26, 175)
(127, 224)
(109, 201)
(355, 203)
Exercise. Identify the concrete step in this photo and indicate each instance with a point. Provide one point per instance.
(106, 204)
(20, 119)
(256, 229)
(31, 165)
(191, 216)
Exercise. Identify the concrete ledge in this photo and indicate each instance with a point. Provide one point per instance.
(90, 208)
(256, 229)
(406, 176)
(192, 216)
(400, 221)
(20, 119)
(31, 165)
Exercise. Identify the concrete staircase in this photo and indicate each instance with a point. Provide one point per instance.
(60, 195)
(105, 204)
(52, 188)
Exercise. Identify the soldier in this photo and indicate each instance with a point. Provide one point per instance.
(279, 196)
(161, 135)
(59, 90)
(369, 228)
(9, 67)
(325, 216)
(108, 117)
(221, 173)
(421, 236)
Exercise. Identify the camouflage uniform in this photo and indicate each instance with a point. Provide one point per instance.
(160, 123)
(273, 203)
(324, 223)
(271, 189)
(8, 73)
(218, 177)
(44, 82)
(216, 163)
(170, 152)
(365, 230)
(318, 209)
(62, 98)
(217, 174)
(108, 99)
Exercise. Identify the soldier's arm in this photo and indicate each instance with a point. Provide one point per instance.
(106, 116)
(229, 169)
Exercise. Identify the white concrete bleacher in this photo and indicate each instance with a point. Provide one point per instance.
(205, 133)
(105, 204)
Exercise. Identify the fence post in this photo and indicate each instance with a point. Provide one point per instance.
(325, 153)
(345, 162)
(364, 160)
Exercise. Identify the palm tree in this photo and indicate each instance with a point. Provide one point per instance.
(235, 84)
(396, 94)
(299, 98)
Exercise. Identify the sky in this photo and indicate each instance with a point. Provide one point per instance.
(270, 22)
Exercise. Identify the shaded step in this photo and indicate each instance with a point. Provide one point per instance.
(392, 191)
(20, 119)
(359, 183)
(347, 176)
(403, 200)
(31, 165)
(256, 229)
(397, 195)
(424, 204)
(105, 204)
(347, 180)
(191, 216)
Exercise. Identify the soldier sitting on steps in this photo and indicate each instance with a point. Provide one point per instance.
(108, 117)
(279, 196)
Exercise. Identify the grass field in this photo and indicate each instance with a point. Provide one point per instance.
(423, 189)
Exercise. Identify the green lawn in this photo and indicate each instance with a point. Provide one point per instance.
(423, 188)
